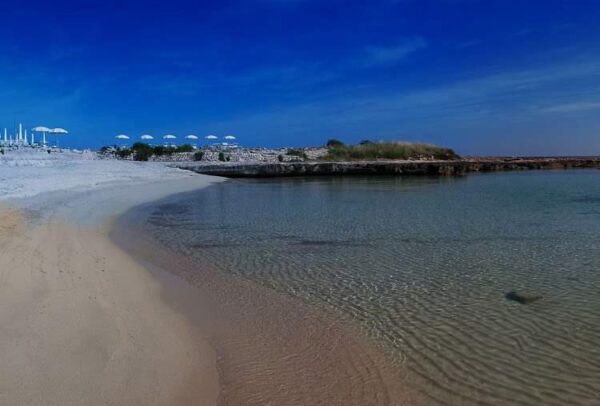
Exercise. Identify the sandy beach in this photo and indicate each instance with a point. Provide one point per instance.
(82, 322)
(95, 313)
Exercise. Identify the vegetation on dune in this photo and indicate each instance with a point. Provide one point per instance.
(369, 150)
(333, 143)
(162, 150)
(296, 152)
(184, 148)
(143, 152)
(366, 150)
(123, 153)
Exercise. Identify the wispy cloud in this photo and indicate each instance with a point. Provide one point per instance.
(281, 77)
(484, 105)
(393, 54)
(574, 107)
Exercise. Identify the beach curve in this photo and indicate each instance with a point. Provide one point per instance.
(83, 323)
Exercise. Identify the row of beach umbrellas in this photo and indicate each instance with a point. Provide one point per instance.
(42, 129)
(47, 130)
(191, 137)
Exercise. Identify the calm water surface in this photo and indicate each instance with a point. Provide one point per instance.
(422, 266)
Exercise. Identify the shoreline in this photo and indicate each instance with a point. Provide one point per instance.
(83, 322)
(271, 348)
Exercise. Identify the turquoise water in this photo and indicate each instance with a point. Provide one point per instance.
(422, 266)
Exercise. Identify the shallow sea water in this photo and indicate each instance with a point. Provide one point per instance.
(422, 265)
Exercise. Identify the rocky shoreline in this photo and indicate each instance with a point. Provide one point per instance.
(398, 168)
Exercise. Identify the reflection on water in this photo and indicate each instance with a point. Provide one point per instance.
(422, 265)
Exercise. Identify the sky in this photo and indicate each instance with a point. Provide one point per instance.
(482, 77)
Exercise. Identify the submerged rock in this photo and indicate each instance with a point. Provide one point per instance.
(522, 298)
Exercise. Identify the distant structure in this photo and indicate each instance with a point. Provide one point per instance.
(21, 138)
(170, 140)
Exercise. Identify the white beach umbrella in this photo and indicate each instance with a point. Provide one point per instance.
(147, 137)
(225, 143)
(169, 137)
(211, 137)
(191, 137)
(122, 137)
(58, 131)
(229, 137)
(43, 130)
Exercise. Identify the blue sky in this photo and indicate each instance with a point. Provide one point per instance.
(484, 77)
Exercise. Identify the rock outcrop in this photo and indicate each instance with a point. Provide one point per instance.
(421, 168)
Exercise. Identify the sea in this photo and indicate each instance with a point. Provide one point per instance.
(422, 267)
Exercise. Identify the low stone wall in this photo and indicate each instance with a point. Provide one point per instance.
(247, 156)
(420, 168)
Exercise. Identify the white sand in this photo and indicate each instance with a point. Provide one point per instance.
(28, 173)
(82, 323)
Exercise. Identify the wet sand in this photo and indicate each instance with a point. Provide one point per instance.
(270, 349)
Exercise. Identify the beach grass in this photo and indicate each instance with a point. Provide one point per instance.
(143, 152)
(395, 150)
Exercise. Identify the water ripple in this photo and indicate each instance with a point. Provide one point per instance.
(422, 267)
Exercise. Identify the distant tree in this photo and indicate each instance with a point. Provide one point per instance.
(221, 157)
(141, 151)
(198, 155)
(162, 150)
(185, 148)
(280, 158)
(333, 143)
(123, 153)
(139, 145)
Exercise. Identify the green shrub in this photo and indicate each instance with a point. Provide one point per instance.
(161, 150)
(332, 143)
(141, 151)
(123, 153)
(198, 155)
(280, 158)
(184, 148)
(296, 152)
(221, 157)
(388, 150)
